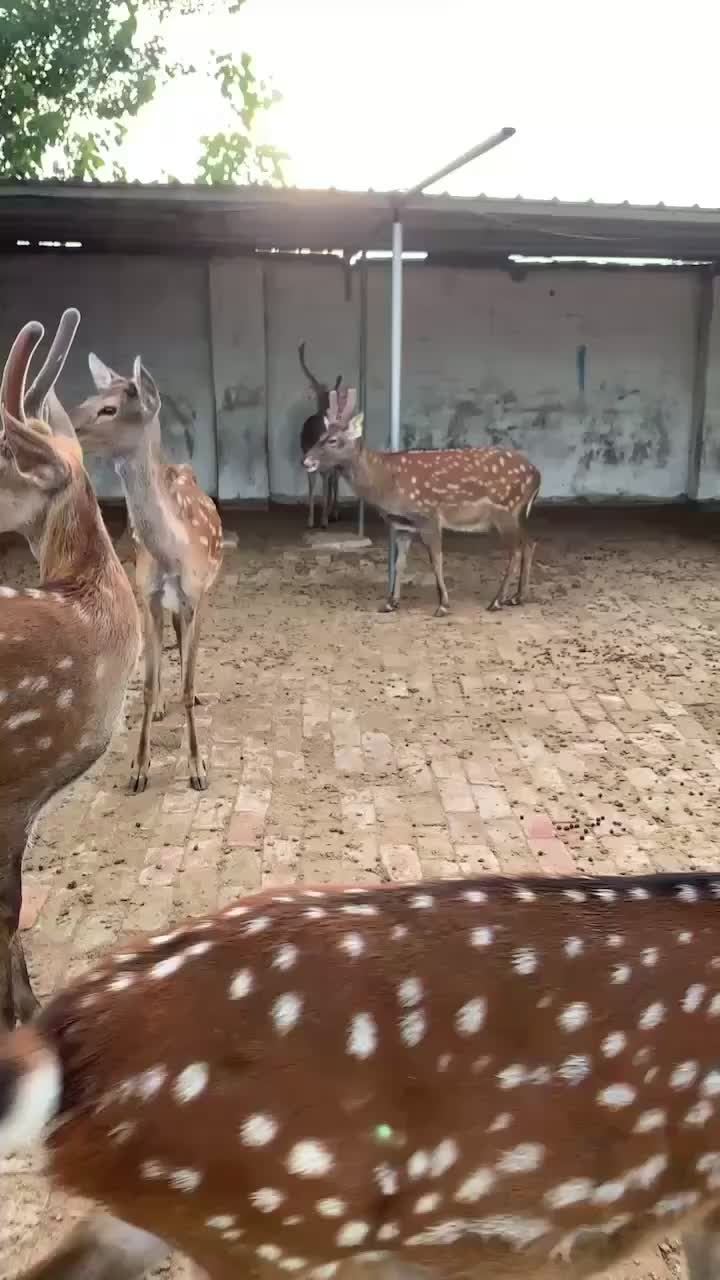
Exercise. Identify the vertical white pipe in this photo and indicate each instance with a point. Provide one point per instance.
(396, 316)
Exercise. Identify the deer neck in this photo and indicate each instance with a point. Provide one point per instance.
(363, 471)
(141, 476)
(73, 542)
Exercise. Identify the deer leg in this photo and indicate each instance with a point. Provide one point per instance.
(513, 562)
(311, 500)
(403, 538)
(190, 640)
(101, 1248)
(334, 512)
(528, 551)
(26, 1002)
(326, 498)
(153, 619)
(432, 537)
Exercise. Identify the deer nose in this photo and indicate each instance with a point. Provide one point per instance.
(310, 464)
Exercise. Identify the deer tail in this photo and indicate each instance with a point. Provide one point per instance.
(30, 1088)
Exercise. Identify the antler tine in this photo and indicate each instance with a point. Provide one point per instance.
(349, 405)
(12, 389)
(314, 382)
(332, 414)
(54, 363)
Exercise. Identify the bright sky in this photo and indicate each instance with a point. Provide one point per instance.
(618, 101)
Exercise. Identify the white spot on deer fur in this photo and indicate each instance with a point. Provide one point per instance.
(152, 1170)
(257, 925)
(699, 1115)
(233, 912)
(324, 1272)
(65, 697)
(573, 947)
(615, 940)
(502, 1121)
(574, 1016)
(652, 1016)
(150, 1082)
(476, 896)
(711, 1084)
(8, 592)
(422, 901)
(616, 1096)
(412, 1027)
(683, 1075)
(575, 1068)
(524, 960)
(21, 718)
(269, 1252)
(513, 1076)
(292, 1264)
(165, 967)
(687, 893)
(360, 909)
(574, 895)
(286, 1012)
(693, 997)
(620, 974)
(685, 937)
(398, 932)
(331, 1207)
(43, 744)
(522, 1159)
(523, 894)
(418, 1165)
(443, 1157)
(481, 937)
(680, 1202)
(351, 1234)
(198, 949)
(387, 1179)
(258, 1130)
(267, 1199)
(353, 944)
(191, 1082)
(650, 1120)
(649, 957)
(241, 984)
(362, 1036)
(285, 957)
(614, 1043)
(310, 1159)
(427, 1203)
(476, 1186)
(221, 1222)
(573, 1191)
(471, 1016)
(34, 684)
(122, 982)
(185, 1179)
(388, 1231)
(410, 992)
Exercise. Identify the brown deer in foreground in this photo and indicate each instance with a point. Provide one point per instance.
(176, 532)
(490, 1077)
(312, 429)
(67, 647)
(422, 492)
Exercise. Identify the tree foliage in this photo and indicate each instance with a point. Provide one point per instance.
(74, 73)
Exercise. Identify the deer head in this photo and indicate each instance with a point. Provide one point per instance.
(38, 460)
(341, 439)
(322, 394)
(115, 420)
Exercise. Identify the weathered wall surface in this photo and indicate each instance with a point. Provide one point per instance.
(129, 305)
(589, 372)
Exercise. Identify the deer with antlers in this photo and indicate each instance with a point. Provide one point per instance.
(67, 647)
(422, 492)
(312, 430)
(493, 1077)
(176, 532)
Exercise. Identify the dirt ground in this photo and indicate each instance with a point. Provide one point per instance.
(579, 733)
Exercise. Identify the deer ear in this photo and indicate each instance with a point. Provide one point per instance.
(354, 428)
(147, 390)
(102, 375)
(35, 455)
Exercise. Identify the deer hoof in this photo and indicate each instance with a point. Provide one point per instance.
(138, 781)
(514, 600)
(198, 776)
(198, 702)
(159, 710)
(442, 611)
(388, 606)
(494, 606)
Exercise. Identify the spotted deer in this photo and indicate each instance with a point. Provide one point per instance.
(67, 647)
(487, 1078)
(176, 532)
(312, 429)
(422, 492)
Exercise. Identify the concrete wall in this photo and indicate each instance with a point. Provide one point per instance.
(590, 372)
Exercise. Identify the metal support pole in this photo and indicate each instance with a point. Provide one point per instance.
(396, 307)
(362, 368)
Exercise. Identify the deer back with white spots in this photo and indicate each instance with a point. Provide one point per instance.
(312, 429)
(483, 1077)
(67, 647)
(422, 492)
(176, 532)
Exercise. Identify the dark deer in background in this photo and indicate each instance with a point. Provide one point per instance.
(422, 492)
(312, 429)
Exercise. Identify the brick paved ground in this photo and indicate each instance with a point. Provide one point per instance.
(580, 733)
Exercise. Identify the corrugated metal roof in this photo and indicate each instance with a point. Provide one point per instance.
(151, 218)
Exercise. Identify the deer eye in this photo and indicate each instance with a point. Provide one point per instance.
(107, 411)
(331, 440)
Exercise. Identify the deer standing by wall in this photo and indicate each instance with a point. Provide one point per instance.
(422, 492)
(492, 1077)
(176, 532)
(312, 429)
(67, 647)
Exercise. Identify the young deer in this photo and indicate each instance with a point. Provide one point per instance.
(422, 492)
(491, 1077)
(313, 428)
(67, 648)
(176, 532)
